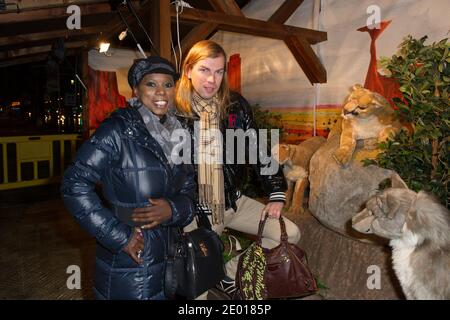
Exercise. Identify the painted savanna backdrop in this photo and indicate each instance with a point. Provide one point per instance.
(298, 122)
(271, 77)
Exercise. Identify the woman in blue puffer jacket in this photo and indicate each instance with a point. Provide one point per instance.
(129, 155)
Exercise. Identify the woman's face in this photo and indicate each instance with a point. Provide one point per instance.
(206, 76)
(156, 91)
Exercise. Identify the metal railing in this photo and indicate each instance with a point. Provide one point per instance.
(35, 160)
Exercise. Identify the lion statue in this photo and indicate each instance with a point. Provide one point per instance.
(367, 117)
(295, 160)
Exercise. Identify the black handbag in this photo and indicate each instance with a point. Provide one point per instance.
(193, 262)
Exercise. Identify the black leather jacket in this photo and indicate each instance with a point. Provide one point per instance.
(240, 116)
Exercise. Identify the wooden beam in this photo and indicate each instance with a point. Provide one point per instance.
(39, 49)
(285, 11)
(297, 39)
(312, 36)
(51, 13)
(200, 32)
(54, 12)
(249, 26)
(43, 42)
(14, 29)
(50, 35)
(307, 59)
(203, 30)
(153, 22)
(31, 58)
(164, 29)
(226, 6)
(23, 60)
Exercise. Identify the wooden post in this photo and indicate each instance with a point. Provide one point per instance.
(160, 27)
(153, 23)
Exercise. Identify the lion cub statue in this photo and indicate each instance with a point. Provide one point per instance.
(295, 160)
(367, 117)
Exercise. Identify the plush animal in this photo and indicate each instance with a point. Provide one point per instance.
(418, 227)
(366, 116)
(295, 160)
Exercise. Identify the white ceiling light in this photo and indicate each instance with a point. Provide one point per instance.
(104, 46)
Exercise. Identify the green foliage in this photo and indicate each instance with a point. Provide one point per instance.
(224, 237)
(320, 284)
(263, 119)
(421, 158)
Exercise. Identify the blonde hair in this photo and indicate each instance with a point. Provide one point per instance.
(201, 50)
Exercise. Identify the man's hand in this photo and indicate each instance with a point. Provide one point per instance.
(135, 246)
(273, 209)
(151, 216)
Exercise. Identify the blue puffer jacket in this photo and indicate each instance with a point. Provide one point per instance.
(131, 167)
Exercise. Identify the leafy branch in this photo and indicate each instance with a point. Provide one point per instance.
(422, 157)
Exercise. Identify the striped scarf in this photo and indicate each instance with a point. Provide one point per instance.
(209, 157)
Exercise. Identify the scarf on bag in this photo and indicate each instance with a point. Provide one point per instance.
(160, 131)
(210, 150)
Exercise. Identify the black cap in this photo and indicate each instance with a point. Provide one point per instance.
(153, 64)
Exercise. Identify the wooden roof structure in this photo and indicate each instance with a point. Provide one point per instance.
(28, 35)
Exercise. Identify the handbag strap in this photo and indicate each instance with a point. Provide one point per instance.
(173, 234)
(171, 279)
(261, 229)
(283, 237)
(190, 266)
(202, 220)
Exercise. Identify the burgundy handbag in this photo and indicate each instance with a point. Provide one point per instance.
(278, 273)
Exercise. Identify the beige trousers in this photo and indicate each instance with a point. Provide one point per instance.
(246, 219)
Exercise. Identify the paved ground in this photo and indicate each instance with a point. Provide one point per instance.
(39, 241)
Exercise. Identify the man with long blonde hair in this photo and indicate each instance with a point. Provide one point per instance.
(203, 95)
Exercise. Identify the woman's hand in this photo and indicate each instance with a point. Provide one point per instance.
(151, 216)
(135, 246)
(273, 209)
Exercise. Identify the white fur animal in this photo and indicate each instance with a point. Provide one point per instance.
(419, 229)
